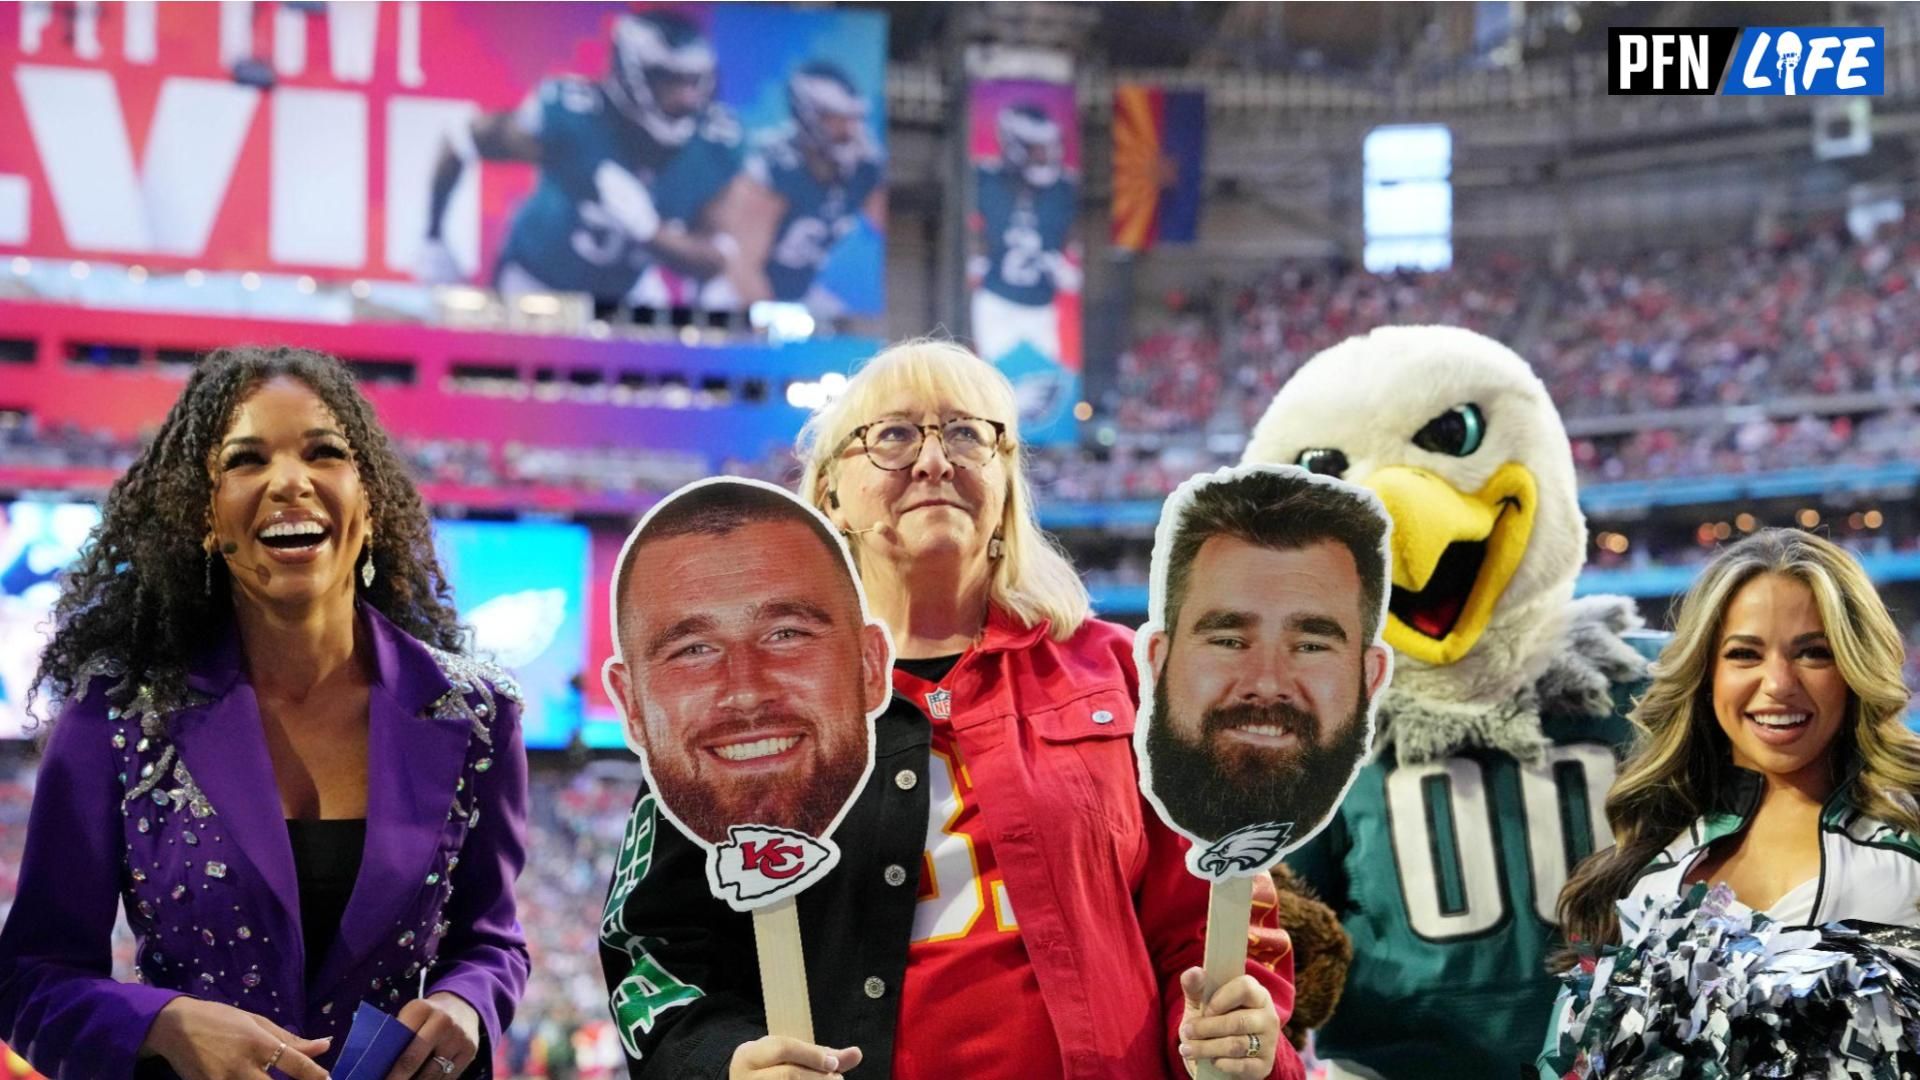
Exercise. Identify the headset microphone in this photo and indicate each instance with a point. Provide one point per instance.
(851, 533)
(228, 548)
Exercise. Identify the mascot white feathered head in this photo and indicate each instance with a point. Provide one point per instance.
(1462, 443)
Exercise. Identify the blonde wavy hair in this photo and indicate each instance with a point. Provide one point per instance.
(1033, 579)
(1681, 759)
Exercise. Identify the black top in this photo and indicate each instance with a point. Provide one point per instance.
(855, 922)
(326, 860)
(931, 669)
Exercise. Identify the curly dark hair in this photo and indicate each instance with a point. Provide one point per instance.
(144, 589)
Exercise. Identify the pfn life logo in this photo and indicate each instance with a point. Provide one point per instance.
(1786, 61)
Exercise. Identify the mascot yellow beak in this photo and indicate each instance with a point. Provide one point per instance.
(1453, 555)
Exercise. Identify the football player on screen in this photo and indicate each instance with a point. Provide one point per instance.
(630, 167)
(1020, 231)
(806, 184)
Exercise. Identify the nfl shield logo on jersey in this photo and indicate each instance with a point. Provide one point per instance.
(940, 705)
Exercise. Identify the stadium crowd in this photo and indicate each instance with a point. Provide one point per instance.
(1139, 464)
(562, 1029)
(1808, 311)
(1796, 322)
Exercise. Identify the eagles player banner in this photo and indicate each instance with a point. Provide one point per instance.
(656, 155)
(1023, 258)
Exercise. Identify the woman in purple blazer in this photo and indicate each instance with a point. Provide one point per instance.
(268, 750)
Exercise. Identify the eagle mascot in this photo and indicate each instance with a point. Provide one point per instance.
(1497, 739)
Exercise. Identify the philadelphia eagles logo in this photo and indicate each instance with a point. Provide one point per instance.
(1243, 851)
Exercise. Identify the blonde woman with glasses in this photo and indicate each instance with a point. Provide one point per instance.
(1087, 925)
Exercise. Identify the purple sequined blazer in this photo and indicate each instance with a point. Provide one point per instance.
(171, 810)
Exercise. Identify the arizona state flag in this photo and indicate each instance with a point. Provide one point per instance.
(1159, 154)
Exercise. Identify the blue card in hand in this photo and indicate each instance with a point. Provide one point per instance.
(374, 1043)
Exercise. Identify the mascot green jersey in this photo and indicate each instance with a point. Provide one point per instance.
(1498, 737)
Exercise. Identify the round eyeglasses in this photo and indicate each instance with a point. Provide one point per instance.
(968, 441)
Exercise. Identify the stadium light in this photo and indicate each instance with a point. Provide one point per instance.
(464, 298)
(809, 395)
(782, 321)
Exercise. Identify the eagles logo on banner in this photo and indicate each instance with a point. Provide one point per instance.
(1159, 161)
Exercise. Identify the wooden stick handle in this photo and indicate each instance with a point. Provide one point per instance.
(1229, 915)
(783, 970)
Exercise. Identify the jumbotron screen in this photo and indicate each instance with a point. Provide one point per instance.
(38, 540)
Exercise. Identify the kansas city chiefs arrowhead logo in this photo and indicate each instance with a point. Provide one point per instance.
(1242, 851)
(759, 864)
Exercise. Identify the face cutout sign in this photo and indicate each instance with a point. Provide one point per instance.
(749, 675)
(1262, 660)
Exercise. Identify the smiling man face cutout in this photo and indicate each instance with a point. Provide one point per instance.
(1264, 660)
(748, 671)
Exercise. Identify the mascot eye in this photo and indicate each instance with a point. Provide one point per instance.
(1457, 432)
(1323, 461)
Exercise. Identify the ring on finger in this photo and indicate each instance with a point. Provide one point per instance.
(1253, 1044)
(446, 1064)
(275, 1059)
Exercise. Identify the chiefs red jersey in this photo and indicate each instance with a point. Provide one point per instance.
(969, 986)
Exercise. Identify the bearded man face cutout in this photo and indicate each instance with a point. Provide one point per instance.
(1265, 660)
